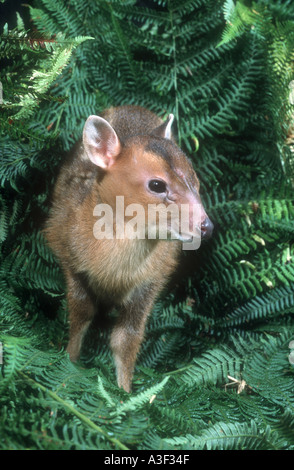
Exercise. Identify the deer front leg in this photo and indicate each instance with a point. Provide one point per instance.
(128, 333)
(81, 313)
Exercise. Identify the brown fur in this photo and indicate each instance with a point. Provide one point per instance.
(127, 274)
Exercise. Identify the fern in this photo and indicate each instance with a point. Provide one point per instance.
(224, 69)
(213, 367)
(223, 436)
(280, 300)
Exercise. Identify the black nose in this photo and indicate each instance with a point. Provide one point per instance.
(206, 228)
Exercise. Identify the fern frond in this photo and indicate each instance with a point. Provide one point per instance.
(271, 304)
(144, 397)
(211, 368)
(276, 385)
(230, 436)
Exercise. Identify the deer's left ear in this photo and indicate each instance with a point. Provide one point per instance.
(164, 130)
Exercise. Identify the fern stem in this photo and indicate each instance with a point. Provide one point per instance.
(123, 42)
(178, 371)
(70, 409)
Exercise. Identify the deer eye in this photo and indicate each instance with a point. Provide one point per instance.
(157, 186)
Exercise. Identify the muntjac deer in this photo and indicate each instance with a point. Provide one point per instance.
(127, 162)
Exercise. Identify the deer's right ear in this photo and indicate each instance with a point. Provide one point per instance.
(101, 142)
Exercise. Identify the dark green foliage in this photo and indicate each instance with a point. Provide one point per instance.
(224, 69)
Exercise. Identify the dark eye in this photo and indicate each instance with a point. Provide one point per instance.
(157, 186)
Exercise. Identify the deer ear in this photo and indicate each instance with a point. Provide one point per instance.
(101, 142)
(164, 130)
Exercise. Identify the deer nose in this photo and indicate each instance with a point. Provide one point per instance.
(206, 228)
